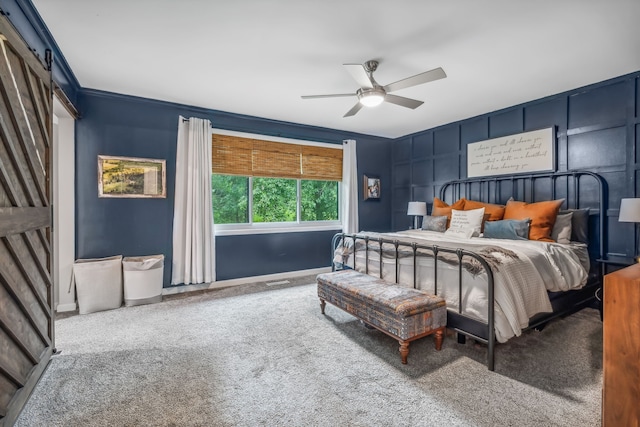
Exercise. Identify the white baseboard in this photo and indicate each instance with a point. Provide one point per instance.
(242, 281)
(66, 307)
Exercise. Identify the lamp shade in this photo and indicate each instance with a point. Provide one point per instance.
(629, 210)
(417, 208)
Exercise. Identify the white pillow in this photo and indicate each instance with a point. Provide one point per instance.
(463, 233)
(471, 219)
(561, 232)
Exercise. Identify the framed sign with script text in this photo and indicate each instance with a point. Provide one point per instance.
(513, 154)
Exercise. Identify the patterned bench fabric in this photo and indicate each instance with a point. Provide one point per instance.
(401, 311)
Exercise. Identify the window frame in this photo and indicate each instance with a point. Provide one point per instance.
(279, 227)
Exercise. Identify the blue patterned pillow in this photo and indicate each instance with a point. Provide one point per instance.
(434, 223)
(513, 229)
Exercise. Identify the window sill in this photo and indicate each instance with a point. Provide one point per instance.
(274, 228)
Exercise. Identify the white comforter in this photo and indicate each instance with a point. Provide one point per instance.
(520, 285)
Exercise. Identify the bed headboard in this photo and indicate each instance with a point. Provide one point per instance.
(580, 189)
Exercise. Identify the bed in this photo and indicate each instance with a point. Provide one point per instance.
(495, 288)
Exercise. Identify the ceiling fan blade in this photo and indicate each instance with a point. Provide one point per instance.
(360, 75)
(354, 110)
(402, 101)
(418, 79)
(335, 95)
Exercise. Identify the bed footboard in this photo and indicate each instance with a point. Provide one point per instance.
(456, 319)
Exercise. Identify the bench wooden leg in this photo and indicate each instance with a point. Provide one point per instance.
(404, 351)
(322, 305)
(439, 338)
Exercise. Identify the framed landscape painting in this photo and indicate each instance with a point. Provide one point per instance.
(131, 177)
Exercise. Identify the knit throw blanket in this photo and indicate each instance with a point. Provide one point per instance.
(492, 255)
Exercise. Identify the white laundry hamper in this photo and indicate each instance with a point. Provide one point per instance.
(143, 279)
(98, 283)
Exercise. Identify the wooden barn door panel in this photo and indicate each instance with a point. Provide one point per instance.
(26, 288)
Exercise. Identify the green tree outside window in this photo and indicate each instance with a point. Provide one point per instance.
(273, 199)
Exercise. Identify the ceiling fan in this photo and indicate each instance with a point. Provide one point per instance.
(371, 93)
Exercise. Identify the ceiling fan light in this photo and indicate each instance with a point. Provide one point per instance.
(371, 99)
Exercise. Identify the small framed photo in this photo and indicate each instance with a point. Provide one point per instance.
(371, 187)
(131, 177)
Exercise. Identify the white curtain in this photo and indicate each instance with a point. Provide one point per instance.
(193, 239)
(349, 187)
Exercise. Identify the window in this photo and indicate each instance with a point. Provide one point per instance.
(230, 199)
(274, 200)
(319, 200)
(274, 184)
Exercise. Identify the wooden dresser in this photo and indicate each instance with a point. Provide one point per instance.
(621, 351)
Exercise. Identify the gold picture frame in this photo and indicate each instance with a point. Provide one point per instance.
(131, 177)
(371, 187)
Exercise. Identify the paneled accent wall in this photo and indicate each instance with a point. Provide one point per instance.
(598, 129)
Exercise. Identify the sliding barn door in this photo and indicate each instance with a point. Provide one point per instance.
(26, 290)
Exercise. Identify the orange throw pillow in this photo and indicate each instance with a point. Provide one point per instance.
(495, 212)
(440, 208)
(543, 216)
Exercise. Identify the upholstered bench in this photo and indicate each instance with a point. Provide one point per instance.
(403, 313)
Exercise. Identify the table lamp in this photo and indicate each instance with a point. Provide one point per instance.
(417, 209)
(630, 212)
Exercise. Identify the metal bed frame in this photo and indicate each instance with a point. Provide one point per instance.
(522, 187)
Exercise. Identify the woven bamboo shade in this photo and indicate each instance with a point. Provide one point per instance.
(233, 155)
(321, 163)
(276, 159)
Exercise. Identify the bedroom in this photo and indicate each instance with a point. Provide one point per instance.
(122, 125)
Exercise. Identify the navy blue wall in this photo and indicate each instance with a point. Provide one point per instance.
(598, 129)
(118, 125)
(253, 255)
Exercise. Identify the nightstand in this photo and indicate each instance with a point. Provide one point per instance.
(607, 266)
(621, 348)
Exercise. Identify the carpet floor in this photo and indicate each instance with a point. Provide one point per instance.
(270, 358)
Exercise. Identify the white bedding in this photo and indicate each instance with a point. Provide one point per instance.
(520, 285)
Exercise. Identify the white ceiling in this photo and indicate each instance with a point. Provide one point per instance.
(257, 57)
